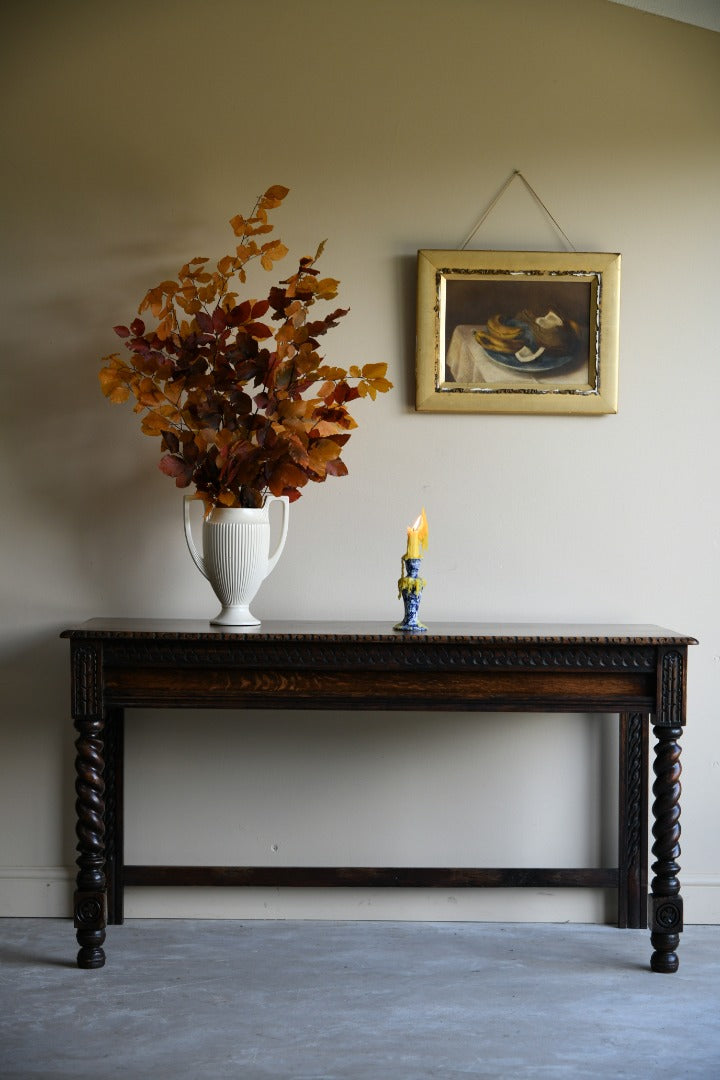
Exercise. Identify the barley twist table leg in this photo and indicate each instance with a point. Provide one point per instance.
(90, 899)
(667, 912)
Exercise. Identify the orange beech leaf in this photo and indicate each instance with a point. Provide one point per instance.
(204, 439)
(328, 427)
(293, 427)
(114, 367)
(223, 439)
(294, 444)
(334, 373)
(164, 329)
(174, 391)
(155, 423)
(295, 408)
(247, 251)
(227, 264)
(118, 395)
(274, 196)
(148, 394)
(285, 476)
(112, 387)
(326, 288)
(325, 450)
(382, 385)
(374, 371)
(271, 253)
(285, 333)
(238, 225)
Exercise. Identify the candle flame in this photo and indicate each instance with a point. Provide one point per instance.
(422, 529)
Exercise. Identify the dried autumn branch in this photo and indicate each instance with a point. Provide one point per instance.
(241, 407)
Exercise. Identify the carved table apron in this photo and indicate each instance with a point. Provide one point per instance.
(638, 672)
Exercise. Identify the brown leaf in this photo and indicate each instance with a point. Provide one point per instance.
(176, 467)
(336, 468)
(258, 330)
(286, 477)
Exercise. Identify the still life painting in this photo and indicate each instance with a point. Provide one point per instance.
(503, 331)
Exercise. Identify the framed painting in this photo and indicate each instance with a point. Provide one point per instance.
(517, 331)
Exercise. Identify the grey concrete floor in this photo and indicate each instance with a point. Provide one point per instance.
(357, 1001)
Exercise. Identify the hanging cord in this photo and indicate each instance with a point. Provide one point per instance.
(533, 192)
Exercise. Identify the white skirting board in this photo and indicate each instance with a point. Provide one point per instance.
(46, 892)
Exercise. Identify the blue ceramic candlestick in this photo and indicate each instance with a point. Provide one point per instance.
(410, 587)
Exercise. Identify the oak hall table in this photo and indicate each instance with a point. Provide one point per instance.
(638, 672)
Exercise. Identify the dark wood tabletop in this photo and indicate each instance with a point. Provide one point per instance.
(547, 633)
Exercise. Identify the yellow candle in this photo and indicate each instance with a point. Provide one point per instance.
(417, 537)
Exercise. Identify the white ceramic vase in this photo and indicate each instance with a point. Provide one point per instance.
(236, 556)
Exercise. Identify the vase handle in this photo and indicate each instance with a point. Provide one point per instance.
(283, 536)
(196, 556)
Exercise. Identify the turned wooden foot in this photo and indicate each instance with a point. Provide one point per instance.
(90, 923)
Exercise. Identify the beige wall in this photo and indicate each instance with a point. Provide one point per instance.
(132, 131)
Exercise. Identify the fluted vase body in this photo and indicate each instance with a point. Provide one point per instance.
(236, 556)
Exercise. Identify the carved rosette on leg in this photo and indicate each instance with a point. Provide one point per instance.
(666, 911)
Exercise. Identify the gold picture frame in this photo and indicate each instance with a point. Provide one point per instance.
(517, 331)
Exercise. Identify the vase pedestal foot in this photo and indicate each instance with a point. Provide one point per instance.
(235, 615)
